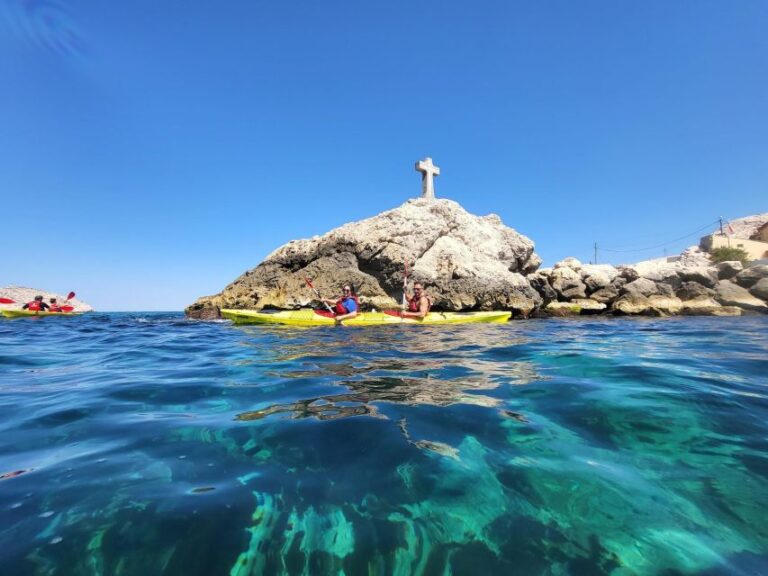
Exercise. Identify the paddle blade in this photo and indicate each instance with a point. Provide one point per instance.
(309, 282)
(7, 301)
(70, 295)
(67, 308)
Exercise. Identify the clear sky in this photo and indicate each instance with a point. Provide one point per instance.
(151, 151)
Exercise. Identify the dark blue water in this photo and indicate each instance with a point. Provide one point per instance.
(148, 444)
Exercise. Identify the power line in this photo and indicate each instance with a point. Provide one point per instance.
(661, 245)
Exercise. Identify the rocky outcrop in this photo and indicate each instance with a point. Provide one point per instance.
(731, 294)
(21, 295)
(687, 285)
(746, 227)
(467, 263)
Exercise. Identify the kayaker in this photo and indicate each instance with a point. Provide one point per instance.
(54, 306)
(37, 305)
(348, 306)
(419, 303)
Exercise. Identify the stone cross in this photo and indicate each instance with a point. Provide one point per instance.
(428, 171)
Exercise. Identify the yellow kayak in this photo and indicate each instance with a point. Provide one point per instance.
(309, 317)
(30, 314)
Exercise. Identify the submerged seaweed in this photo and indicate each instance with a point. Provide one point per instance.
(529, 448)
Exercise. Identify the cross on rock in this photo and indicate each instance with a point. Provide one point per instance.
(428, 172)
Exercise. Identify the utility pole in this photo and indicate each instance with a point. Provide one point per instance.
(595, 252)
(721, 227)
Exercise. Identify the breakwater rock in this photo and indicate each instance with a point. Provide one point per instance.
(690, 284)
(21, 295)
(468, 263)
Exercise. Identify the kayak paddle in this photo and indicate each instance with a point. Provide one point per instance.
(405, 286)
(68, 308)
(7, 301)
(309, 283)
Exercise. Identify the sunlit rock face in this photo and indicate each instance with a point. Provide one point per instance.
(467, 262)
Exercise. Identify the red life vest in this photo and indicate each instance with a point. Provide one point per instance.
(34, 306)
(55, 308)
(341, 309)
(414, 302)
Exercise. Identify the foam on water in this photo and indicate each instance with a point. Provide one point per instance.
(149, 444)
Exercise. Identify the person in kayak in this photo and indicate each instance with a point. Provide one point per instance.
(348, 306)
(419, 303)
(37, 305)
(54, 306)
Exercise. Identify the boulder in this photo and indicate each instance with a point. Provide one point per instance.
(749, 276)
(628, 273)
(540, 283)
(700, 306)
(580, 306)
(567, 283)
(760, 289)
(729, 269)
(605, 295)
(706, 276)
(665, 289)
(640, 287)
(597, 276)
(570, 262)
(466, 261)
(665, 305)
(658, 272)
(631, 304)
(730, 294)
(693, 290)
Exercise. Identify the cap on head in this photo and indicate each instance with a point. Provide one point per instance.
(38, 297)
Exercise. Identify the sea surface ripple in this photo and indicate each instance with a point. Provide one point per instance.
(145, 443)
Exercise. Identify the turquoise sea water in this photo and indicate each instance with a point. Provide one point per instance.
(148, 444)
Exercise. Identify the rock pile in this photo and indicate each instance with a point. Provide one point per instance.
(689, 285)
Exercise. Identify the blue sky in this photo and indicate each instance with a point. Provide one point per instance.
(150, 152)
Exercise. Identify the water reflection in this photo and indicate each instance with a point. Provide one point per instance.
(391, 370)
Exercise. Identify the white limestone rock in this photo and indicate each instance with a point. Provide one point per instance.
(466, 261)
(570, 262)
(21, 295)
(598, 276)
(746, 227)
